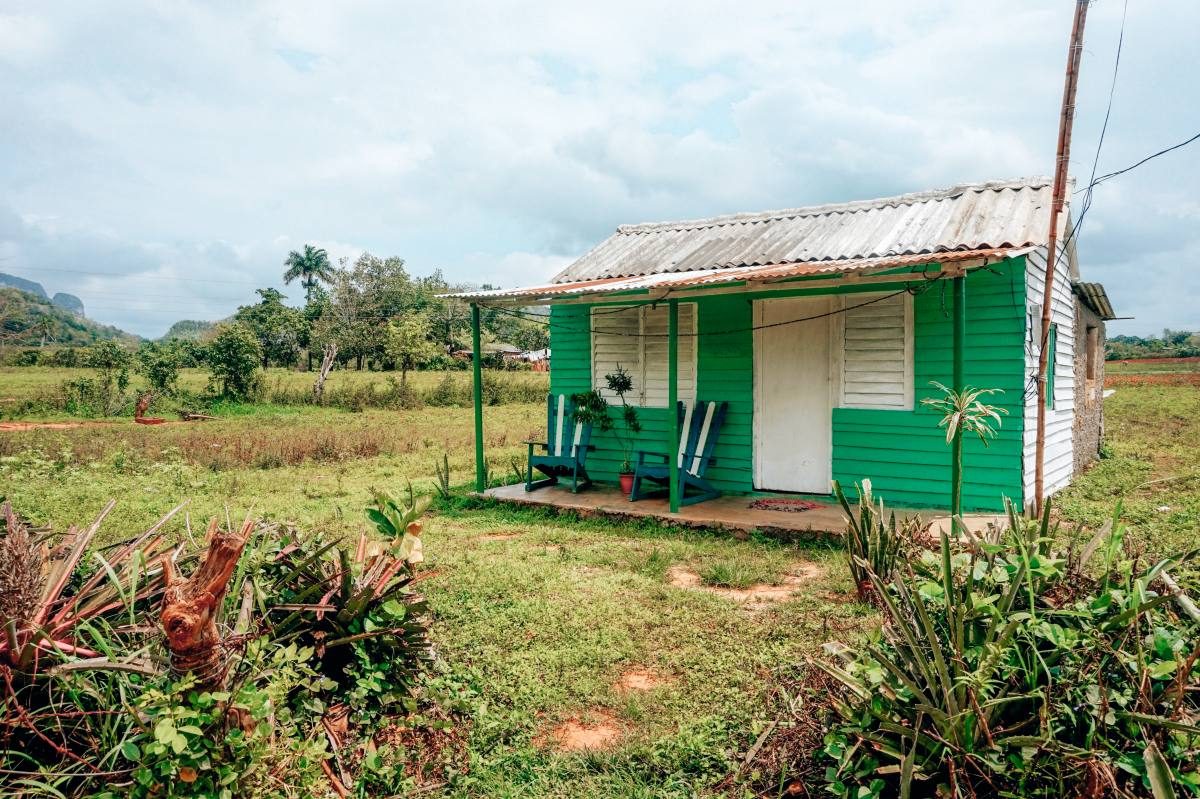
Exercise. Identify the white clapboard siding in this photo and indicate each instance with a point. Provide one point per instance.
(877, 353)
(654, 377)
(1060, 453)
(616, 343)
(635, 339)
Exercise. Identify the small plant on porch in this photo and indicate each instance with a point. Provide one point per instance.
(592, 408)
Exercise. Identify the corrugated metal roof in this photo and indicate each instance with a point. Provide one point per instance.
(978, 216)
(765, 273)
(1096, 298)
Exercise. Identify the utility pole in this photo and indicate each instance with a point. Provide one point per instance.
(1067, 118)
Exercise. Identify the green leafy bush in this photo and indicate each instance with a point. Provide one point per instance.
(233, 357)
(1007, 669)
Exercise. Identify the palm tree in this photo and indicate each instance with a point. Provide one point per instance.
(311, 266)
(44, 327)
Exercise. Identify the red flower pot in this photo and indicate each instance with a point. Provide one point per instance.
(626, 484)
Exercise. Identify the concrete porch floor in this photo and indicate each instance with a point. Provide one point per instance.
(729, 513)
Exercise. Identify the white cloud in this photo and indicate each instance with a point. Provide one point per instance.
(498, 140)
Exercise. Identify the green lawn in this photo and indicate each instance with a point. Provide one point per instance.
(1152, 468)
(538, 619)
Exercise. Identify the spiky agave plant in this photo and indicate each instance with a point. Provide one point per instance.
(69, 643)
(874, 539)
(43, 612)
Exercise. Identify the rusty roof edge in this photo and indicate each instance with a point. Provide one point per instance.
(716, 277)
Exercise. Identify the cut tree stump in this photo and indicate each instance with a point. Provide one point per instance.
(190, 607)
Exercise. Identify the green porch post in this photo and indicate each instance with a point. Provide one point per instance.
(673, 399)
(477, 386)
(960, 340)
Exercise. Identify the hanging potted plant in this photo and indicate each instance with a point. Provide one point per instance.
(592, 408)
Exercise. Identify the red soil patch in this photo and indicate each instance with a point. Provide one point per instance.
(640, 679)
(1191, 359)
(596, 730)
(45, 425)
(756, 597)
(1154, 379)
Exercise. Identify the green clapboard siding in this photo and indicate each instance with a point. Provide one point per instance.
(903, 452)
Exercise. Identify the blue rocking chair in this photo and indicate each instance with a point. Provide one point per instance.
(697, 437)
(566, 447)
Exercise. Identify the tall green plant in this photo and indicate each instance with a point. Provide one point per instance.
(963, 412)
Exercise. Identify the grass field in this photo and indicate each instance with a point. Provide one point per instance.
(21, 388)
(557, 627)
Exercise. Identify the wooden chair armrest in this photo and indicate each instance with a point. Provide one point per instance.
(644, 454)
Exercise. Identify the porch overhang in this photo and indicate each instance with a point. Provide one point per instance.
(911, 267)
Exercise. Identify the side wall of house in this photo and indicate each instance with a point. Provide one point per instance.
(903, 452)
(1089, 386)
(1060, 418)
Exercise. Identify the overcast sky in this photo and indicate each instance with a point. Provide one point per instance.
(172, 153)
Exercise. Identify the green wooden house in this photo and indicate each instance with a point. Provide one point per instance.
(824, 328)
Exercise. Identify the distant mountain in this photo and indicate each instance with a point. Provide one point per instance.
(21, 283)
(68, 302)
(28, 319)
(190, 329)
(63, 300)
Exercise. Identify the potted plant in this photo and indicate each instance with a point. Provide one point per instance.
(592, 408)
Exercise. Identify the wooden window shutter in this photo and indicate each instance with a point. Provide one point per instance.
(615, 342)
(654, 388)
(877, 352)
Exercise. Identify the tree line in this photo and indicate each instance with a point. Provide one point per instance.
(370, 312)
(1172, 344)
(366, 313)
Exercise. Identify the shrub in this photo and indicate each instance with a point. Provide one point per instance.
(447, 393)
(111, 363)
(306, 623)
(233, 356)
(1005, 669)
(66, 357)
(160, 365)
(353, 607)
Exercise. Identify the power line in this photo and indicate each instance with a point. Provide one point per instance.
(1150, 157)
(1112, 89)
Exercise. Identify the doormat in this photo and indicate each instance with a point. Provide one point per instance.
(785, 505)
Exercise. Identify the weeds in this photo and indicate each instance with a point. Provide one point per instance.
(443, 476)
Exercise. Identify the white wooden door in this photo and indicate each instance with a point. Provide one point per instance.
(793, 417)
